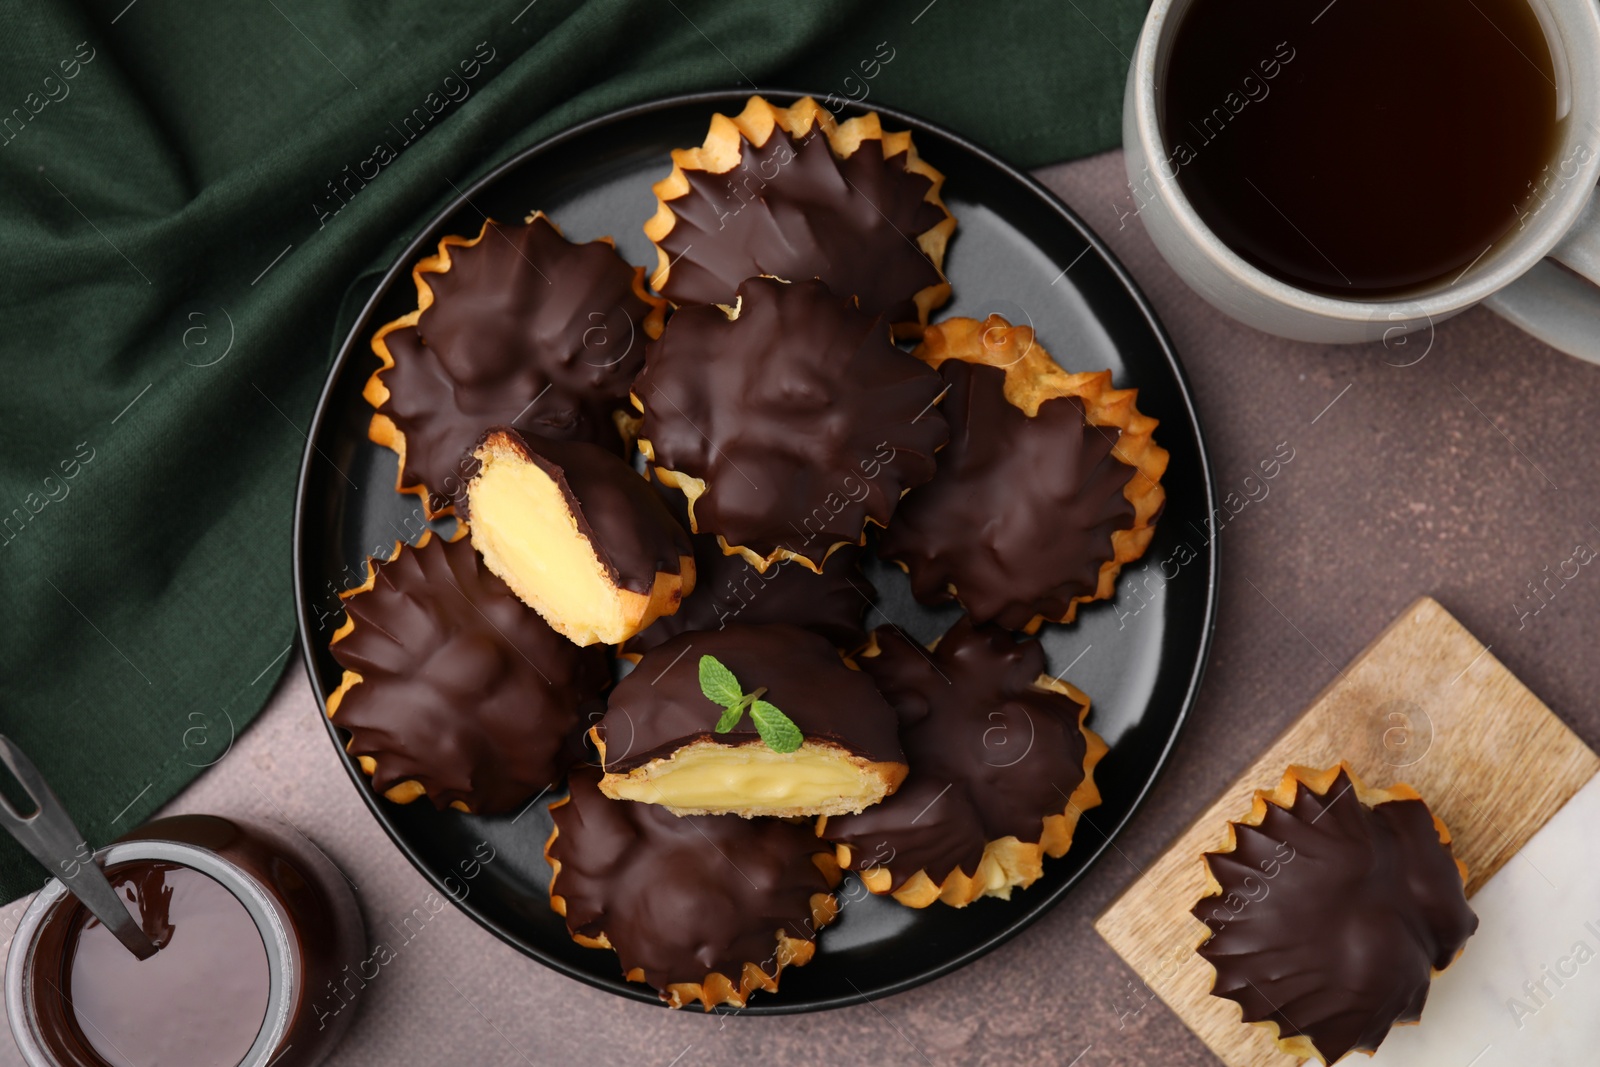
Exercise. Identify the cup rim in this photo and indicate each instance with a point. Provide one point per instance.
(276, 938)
(1504, 267)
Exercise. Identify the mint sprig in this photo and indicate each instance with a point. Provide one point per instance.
(722, 688)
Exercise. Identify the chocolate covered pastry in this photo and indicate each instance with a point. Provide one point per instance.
(1331, 907)
(1050, 482)
(453, 688)
(1002, 766)
(665, 740)
(728, 590)
(789, 421)
(705, 908)
(514, 327)
(578, 535)
(790, 193)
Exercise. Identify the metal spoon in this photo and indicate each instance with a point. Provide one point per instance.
(49, 835)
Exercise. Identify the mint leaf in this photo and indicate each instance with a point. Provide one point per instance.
(718, 684)
(730, 718)
(775, 728)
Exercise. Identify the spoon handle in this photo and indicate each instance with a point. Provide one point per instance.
(50, 836)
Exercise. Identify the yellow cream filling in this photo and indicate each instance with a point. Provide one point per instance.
(524, 527)
(738, 778)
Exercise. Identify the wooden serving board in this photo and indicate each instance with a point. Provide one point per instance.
(1424, 704)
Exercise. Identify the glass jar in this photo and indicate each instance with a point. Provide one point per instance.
(295, 899)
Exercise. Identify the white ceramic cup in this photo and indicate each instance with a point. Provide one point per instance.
(1561, 219)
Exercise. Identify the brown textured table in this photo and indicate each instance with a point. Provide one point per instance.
(1464, 475)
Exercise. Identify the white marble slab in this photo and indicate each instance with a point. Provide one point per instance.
(1526, 992)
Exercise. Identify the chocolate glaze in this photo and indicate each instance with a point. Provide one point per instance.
(631, 528)
(526, 329)
(681, 897)
(792, 209)
(464, 688)
(200, 1000)
(1333, 915)
(727, 589)
(1020, 515)
(659, 707)
(972, 720)
(802, 417)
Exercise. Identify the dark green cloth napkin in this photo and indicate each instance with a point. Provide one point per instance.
(176, 270)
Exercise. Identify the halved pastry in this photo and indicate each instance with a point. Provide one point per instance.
(1330, 908)
(791, 193)
(749, 720)
(788, 421)
(578, 535)
(454, 689)
(705, 908)
(1002, 766)
(514, 327)
(1050, 482)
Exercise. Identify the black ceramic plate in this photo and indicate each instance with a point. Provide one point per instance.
(1017, 251)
